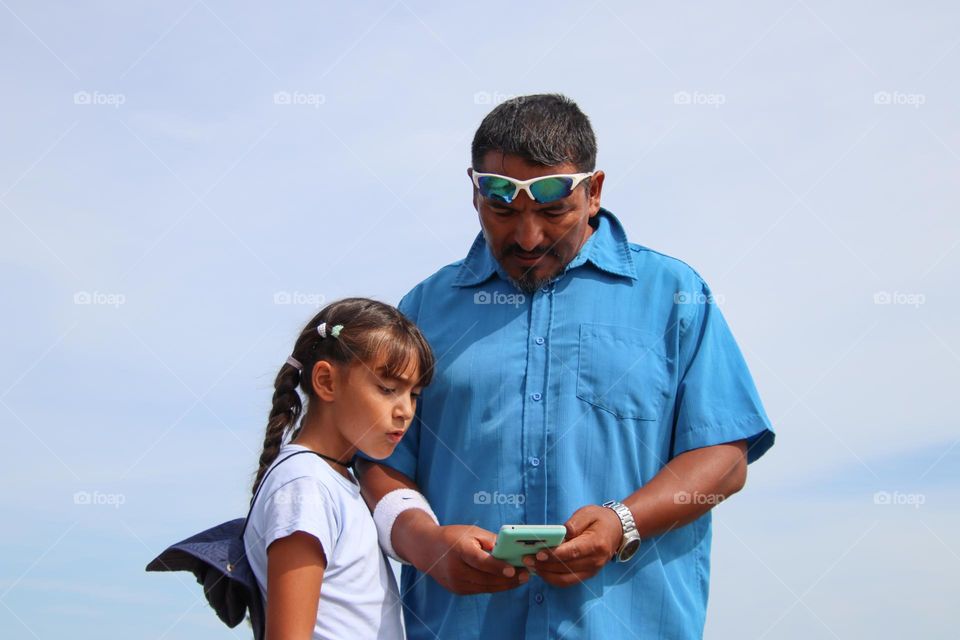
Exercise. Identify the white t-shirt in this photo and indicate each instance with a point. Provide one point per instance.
(358, 597)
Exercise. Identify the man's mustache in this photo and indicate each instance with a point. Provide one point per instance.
(515, 249)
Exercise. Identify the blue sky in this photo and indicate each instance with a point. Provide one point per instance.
(182, 182)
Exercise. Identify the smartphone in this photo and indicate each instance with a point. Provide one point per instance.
(517, 540)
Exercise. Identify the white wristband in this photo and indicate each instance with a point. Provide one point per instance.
(389, 509)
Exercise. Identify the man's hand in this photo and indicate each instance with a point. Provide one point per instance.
(593, 537)
(458, 558)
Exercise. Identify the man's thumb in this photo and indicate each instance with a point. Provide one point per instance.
(575, 525)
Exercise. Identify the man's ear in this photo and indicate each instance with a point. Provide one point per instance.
(596, 187)
(323, 379)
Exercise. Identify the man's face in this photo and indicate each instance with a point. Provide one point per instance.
(535, 242)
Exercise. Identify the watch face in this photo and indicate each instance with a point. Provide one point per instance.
(629, 549)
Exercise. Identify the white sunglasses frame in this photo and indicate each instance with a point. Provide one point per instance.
(524, 185)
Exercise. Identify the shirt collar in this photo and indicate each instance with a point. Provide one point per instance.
(606, 249)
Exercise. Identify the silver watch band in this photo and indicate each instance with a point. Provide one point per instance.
(630, 541)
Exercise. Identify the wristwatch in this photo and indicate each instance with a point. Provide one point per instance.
(630, 542)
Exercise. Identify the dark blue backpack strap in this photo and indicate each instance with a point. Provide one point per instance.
(263, 481)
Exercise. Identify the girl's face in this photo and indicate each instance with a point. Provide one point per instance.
(374, 409)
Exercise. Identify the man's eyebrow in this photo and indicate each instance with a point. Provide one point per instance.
(554, 206)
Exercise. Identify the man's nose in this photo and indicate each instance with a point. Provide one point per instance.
(528, 233)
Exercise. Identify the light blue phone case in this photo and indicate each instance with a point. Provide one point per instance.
(517, 540)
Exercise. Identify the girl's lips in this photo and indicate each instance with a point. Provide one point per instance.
(395, 436)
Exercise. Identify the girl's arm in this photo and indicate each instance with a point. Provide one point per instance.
(295, 566)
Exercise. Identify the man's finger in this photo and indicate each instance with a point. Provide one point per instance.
(591, 563)
(577, 524)
(571, 550)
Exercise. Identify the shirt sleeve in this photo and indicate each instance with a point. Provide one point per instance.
(717, 401)
(302, 504)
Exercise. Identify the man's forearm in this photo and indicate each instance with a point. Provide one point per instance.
(687, 487)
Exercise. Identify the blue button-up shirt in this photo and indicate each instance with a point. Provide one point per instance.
(574, 395)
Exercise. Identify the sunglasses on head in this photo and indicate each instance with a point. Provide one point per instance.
(542, 190)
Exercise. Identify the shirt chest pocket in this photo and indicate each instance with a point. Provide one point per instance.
(623, 371)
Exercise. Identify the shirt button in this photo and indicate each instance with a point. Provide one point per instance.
(538, 598)
(536, 397)
(535, 461)
(540, 340)
(545, 289)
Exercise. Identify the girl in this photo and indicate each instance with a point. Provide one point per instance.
(361, 365)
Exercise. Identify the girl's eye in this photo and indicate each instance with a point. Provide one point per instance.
(415, 396)
(387, 390)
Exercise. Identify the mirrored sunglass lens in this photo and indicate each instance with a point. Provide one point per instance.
(550, 189)
(496, 188)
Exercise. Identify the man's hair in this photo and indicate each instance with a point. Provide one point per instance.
(544, 129)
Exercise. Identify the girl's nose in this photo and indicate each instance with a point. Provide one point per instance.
(404, 408)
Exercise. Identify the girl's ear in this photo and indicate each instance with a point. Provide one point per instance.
(323, 379)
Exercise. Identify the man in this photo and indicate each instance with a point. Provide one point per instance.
(582, 380)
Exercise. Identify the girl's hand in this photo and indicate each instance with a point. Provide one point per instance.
(459, 559)
(295, 566)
